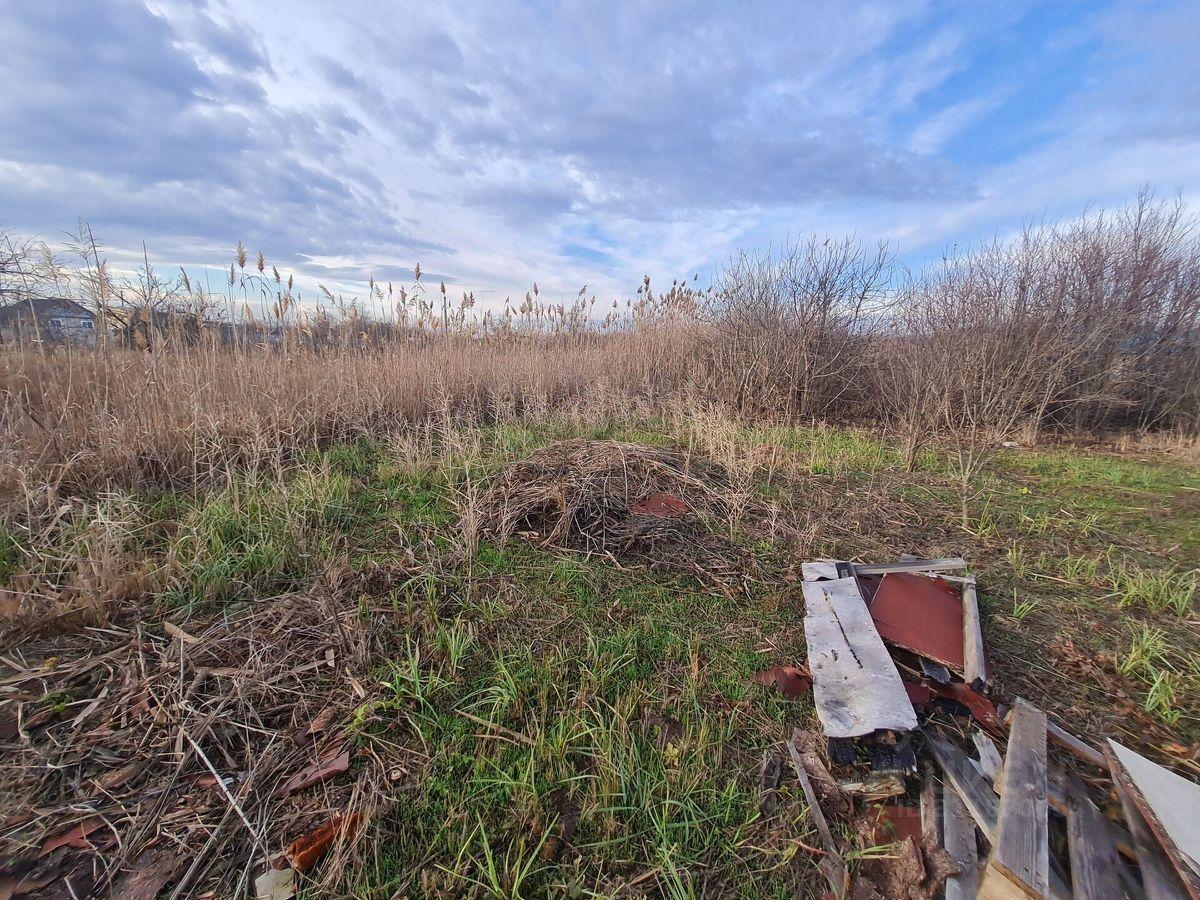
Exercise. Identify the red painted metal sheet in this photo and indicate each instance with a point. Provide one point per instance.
(920, 694)
(921, 614)
(662, 506)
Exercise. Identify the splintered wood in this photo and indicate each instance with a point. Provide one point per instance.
(856, 687)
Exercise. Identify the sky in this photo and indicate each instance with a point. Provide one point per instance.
(504, 143)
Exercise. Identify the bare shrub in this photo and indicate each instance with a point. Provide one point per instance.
(791, 328)
(978, 349)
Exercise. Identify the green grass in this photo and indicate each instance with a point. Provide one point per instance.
(532, 694)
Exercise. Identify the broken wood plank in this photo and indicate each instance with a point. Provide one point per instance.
(1020, 861)
(856, 687)
(1159, 879)
(960, 775)
(960, 843)
(1095, 864)
(990, 760)
(832, 866)
(1068, 741)
(977, 795)
(975, 669)
(1169, 807)
(931, 810)
(915, 565)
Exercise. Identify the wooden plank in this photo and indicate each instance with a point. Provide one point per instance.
(1159, 880)
(962, 776)
(931, 809)
(977, 796)
(916, 565)
(818, 569)
(1021, 850)
(1154, 824)
(856, 687)
(832, 866)
(1068, 741)
(975, 670)
(960, 843)
(990, 760)
(1095, 864)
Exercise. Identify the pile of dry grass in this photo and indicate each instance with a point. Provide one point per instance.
(593, 495)
(116, 738)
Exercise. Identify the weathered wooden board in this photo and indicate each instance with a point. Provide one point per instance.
(962, 776)
(1095, 864)
(990, 760)
(975, 669)
(1168, 807)
(959, 830)
(856, 687)
(915, 565)
(1159, 878)
(1020, 860)
(832, 866)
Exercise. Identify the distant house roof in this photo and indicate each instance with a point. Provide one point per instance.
(43, 306)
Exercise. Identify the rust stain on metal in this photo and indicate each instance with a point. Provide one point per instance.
(661, 506)
(921, 614)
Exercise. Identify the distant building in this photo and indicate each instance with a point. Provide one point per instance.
(51, 320)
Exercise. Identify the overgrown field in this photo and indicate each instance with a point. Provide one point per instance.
(533, 719)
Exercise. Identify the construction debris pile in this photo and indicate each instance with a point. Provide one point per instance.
(900, 681)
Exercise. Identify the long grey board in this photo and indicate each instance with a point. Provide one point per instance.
(856, 687)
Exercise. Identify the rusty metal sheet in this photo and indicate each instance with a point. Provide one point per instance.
(921, 614)
(661, 506)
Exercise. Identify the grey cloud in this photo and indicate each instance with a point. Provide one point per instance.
(119, 121)
(724, 109)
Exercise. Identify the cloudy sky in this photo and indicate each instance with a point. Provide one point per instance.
(499, 143)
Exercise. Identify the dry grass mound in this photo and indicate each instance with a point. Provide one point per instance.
(605, 496)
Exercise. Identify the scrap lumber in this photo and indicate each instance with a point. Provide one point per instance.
(818, 569)
(964, 779)
(990, 760)
(959, 830)
(975, 668)
(1169, 806)
(914, 565)
(1159, 878)
(1095, 863)
(1019, 865)
(832, 866)
(856, 687)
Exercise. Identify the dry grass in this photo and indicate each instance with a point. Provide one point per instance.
(124, 728)
(73, 421)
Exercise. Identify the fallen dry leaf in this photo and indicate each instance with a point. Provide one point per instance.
(275, 884)
(325, 768)
(73, 837)
(792, 681)
(322, 721)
